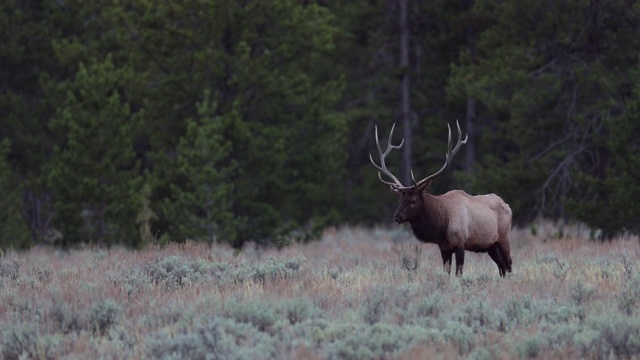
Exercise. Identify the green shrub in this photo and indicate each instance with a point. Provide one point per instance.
(480, 315)
(274, 268)
(627, 299)
(459, 334)
(335, 272)
(410, 258)
(518, 311)
(206, 342)
(103, 315)
(558, 314)
(430, 306)
(373, 307)
(9, 269)
(481, 353)
(66, 318)
(404, 294)
(530, 347)
(44, 275)
(25, 343)
(442, 280)
(580, 293)
(297, 310)
(135, 281)
(628, 266)
(18, 342)
(257, 313)
(380, 341)
(561, 269)
(216, 339)
(323, 332)
(560, 336)
(618, 334)
(175, 272)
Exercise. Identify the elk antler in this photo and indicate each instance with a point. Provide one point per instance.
(396, 184)
(383, 167)
(448, 156)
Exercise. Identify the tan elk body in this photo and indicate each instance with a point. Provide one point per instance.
(455, 221)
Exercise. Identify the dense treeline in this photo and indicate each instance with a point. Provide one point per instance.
(224, 120)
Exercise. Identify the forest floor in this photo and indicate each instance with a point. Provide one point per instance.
(355, 294)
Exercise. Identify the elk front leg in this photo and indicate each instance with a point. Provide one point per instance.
(446, 260)
(459, 260)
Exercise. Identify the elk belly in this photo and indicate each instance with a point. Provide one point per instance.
(475, 247)
(481, 244)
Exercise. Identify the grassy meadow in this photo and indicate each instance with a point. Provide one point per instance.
(356, 294)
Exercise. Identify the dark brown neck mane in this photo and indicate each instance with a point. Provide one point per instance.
(430, 226)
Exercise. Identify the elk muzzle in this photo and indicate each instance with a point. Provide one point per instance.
(399, 218)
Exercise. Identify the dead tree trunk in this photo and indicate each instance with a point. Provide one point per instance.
(470, 156)
(405, 107)
(472, 110)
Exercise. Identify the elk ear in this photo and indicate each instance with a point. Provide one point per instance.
(395, 190)
(424, 186)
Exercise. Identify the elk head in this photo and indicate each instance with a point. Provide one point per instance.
(412, 204)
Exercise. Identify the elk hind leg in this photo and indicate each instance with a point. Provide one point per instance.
(495, 253)
(459, 260)
(506, 257)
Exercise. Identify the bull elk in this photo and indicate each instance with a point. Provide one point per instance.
(455, 221)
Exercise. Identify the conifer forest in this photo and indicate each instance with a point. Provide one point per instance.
(234, 121)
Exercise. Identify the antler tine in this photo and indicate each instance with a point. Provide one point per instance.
(389, 145)
(385, 181)
(450, 153)
(382, 168)
(459, 142)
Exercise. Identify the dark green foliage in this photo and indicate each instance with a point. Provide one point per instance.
(200, 204)
(13, 229)
(94, 174)
(608, 201)
(233, 121)
(556, 83)
(263, 146)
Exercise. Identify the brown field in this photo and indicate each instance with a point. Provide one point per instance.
(356, 294)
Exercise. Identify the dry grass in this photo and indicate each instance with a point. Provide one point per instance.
(357, 293)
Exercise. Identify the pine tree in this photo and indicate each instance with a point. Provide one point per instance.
(608, 200)
(201, 196)
(94, 174)
(13, 228)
